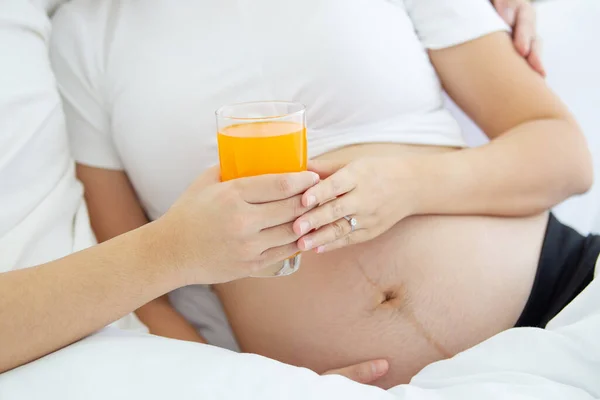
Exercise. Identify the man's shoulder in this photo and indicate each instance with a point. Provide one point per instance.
(85, 15)
(87, 7)
(81, 27)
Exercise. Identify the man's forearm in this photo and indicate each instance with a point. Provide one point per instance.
(47, 307)
(526, 171)
(115, 209)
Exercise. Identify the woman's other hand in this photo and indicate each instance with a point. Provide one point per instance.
(520, 16)
(373, 191)
(221, 231)
(365, 372)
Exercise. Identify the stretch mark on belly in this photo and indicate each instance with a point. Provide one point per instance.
(397, 299)
(414, 321)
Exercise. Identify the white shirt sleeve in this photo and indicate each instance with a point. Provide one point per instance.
(446, 23)
(79, 72)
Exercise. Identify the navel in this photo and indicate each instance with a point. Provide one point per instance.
(396, 299)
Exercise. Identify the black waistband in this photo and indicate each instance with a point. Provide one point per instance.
(565, 268)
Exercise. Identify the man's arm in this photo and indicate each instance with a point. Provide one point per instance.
(520, 16)
(115, 209)
(54, 304)
(47, 307)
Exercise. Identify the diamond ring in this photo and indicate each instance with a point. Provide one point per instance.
(352, 221)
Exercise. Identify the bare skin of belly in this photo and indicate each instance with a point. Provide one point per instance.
(429, 288)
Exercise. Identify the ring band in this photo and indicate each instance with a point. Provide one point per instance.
(352, 221)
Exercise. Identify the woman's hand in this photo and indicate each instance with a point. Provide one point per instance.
(520, 16)
(376, 192)
(365, 372)
(221, 231)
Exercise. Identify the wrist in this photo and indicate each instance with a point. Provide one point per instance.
(442, 183)
(411, 188)
(156, 250)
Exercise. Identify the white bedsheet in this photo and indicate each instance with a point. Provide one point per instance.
(562, 362)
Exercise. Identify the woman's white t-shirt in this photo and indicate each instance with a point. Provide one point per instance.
(141, 79)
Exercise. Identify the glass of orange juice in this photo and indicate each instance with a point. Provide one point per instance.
(263, 137)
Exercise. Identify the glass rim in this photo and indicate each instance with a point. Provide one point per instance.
(220, 111)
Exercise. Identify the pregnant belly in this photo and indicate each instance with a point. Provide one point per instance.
(429, 288)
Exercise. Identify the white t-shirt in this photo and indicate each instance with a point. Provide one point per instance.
(42, 212)
(141, 79)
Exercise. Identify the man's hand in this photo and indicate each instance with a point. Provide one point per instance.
(366, 372)
(520, 16)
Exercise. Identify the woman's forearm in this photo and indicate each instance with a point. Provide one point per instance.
(527, 170)
(47, 307)
(537, 156)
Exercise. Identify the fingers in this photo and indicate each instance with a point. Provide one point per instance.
(278, 236)
(524, 29)
(355, 237)
(279, 212)
(520, 15)
(507, 10)
(535, 57)
(366, 372)
(325, 168)
(327, 234)
(324, 214)
(335, 185)
(273, 187)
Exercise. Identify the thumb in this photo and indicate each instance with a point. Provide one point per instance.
(325, 168)
(365, 372)
(209, 177)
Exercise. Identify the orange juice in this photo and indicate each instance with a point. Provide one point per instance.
(258, 148)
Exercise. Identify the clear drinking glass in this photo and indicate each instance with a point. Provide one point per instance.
(264, 137)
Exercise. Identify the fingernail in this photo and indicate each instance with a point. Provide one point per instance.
(310, 200)
(307, 244)
(304, 227)
(379, 367)
(509, 14)
(320, 249)
(316, 178)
